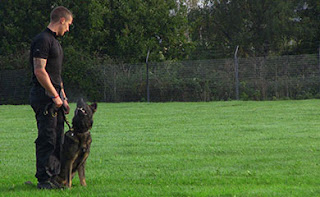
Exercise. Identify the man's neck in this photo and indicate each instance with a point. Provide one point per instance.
(52, 27)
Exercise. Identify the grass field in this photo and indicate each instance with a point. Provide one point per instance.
(180, 149)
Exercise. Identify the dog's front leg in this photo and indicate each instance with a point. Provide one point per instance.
(81, 173)
(69, 174)
(69, 171)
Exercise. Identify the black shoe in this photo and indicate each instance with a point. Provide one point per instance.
(47, 185)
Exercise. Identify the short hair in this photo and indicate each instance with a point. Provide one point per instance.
(60, 12)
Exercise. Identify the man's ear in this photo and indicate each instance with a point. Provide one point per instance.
(62, 20)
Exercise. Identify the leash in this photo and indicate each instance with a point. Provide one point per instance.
(65, 118)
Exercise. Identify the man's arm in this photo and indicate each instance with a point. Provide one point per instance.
(44, 79)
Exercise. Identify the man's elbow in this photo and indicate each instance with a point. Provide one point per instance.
(39, 72)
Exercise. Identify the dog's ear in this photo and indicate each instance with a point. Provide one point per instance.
(93, 106)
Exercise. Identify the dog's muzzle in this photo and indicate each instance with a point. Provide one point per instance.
(81, 110)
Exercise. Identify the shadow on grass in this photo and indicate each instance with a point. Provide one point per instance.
(18, 187)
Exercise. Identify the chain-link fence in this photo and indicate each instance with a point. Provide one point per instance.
(260, 78)
(290, 77)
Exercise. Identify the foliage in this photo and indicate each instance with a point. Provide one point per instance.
(20, 21)
(308, 32)
(260, 28)
(106, 49)
(138, 26)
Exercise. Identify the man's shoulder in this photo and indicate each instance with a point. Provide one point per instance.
(43, 36)
(41, 45)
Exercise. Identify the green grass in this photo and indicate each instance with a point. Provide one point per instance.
(180, 149)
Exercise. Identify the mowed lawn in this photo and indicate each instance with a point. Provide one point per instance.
(230, 148)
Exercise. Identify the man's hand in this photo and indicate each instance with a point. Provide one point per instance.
(66, 107)
(57, 101)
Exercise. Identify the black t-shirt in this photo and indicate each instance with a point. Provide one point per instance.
(46, 46)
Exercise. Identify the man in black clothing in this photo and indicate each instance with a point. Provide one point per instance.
(47, 96)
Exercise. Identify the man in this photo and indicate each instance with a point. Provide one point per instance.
(47, 96)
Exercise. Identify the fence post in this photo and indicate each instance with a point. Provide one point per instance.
(148, 92)
(236, 72)
(319, 64)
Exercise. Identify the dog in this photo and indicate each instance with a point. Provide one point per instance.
(76, 145)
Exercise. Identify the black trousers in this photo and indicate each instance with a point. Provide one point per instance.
(50, 122)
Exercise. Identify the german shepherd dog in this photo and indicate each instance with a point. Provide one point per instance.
(76, 145)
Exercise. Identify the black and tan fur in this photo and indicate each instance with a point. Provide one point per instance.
(76, 146)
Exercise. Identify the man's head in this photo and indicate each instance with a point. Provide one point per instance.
(61, 18)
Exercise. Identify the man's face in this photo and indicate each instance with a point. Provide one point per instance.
(64, 25)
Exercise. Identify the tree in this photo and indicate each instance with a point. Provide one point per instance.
(307, 33)
(260, 28)
(138, 26)
(19, 22)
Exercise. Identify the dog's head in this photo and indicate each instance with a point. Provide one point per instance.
(83, 116)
